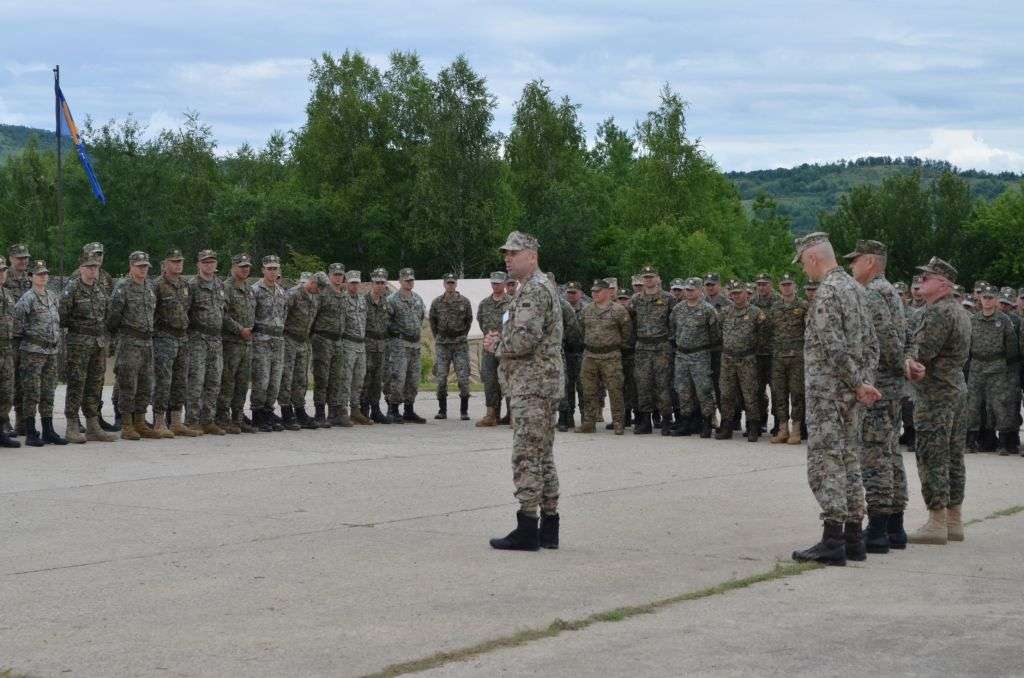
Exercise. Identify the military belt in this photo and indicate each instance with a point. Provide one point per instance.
(134, 333)
(376, 335)
(600, 350)
(403, 335)
(988, 356)
(269, 330)
(297, 336)
(696, 349)
(173, 331)
(85, 329)
(451, 336)
(652, 340)
(332, 336)
(737, 354)
(354, 339)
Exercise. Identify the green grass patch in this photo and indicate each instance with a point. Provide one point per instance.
(1001, 513)
(780, 571)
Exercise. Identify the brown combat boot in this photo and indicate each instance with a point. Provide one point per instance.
(93, 431)
(782, 435)
(489, 419)
(128, 431)
(73, 432)
(161, 430)
(180, 429)
(935, 531)
(213, 430)
(359, 418)
(585, 427)
(954, 523)
(618, 427)
(794, 433)
(143, 428)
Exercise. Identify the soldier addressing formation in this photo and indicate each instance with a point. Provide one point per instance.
(857, 366)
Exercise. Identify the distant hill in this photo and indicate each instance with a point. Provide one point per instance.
(14, 137)
(803, 192)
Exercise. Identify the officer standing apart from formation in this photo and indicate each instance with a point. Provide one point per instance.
(353, 367)
(840, 361)
(205, 349)
(405, 325)
(7, 302)
(488, 315)
(237, 333)
(302, 302)
(787, 318)
(170, 346)
(267, 345)
(19, 281)
(132, 309)
(530, 350)
(377, 321)
(328, 358)
(650, 312)
(696, 330)
(744, 331)
(451, 316)
(605, 328)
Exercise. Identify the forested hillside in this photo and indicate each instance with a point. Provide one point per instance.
(13, 138)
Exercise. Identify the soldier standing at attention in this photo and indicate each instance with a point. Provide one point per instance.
(132, 310)
(83, 311)
(19, 281)
(650, 314)
(7, 302)
(572, 349)
(353, 366)
(696, 330)
(451, 316)
(840, 361)
(489, 316)
(267, 345)
(714, 296)
(935, 363)
(885, 481)
(914, 310)
(787, 319)
(1010, 440)
(205, 350)
(328, 351)
(530, 349)
(301, 305)
(377, 321)
(994, 347)
(405, 324)
(605, 328)
(37, 320)
(237, 333)
(170, 342)
(744, 330)
(624, 298)
(765, 299)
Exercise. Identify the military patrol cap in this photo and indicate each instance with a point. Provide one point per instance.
(648, 272)
(710, 277)
(867, 247)
(787, 279)
(1020, 292)
(407, 274)
(936, 266)
(322, 281)
(958, 289)
(600, 284)
(241, 260)
(691, 284)
(571, 286)
(450, 277)
(735, 286)
(138, 258)
(271, 261)
(967, 302)
(92, 247)
(676, 284)
(40, 267)
(205, 255)
(1007, 293)
(901, 287)
(3, 263)
(763, 276)
(379, 275)
(751, 287)
(500, 277)
(336, 268)
(809, 240)
(517, 240)
(636, 280)
(980, 285)
(89, 259)
(18, 250)
(988, 291)
(810, 286)
(174, 254)
(353, 276)
(624, 294)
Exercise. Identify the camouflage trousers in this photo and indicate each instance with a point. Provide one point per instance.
(716, 379)
(84, 367)
(133, 367)
(881, 463)
(573, 387)
(989, 397)
(170, 372)
(6, 383)
(629, 381)
(788, 387)
(941, 441)
(693, 379)
(294, 373)
(327, 370)
(446, 356)
(16, 366)
(353, 371)
(489, 375)
(764, 385)
(833, 459)
(267, 364)
(739, 385)
(38, 382)
(651, 369)
(596, 375)
(372, 380)
(403, 371)
(533, 461)
(234, 379)
(205, 369)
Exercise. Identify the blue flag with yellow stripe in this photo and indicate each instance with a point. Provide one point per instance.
(67, 128)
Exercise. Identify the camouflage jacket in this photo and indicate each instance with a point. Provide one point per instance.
(105, 280)
(450, 318)
(354, 306)
(941, 343)
(994, 343)
(301, 312)
(37, 320)
(787, 320)
(766, 304)
(172, 306)
(405, 318)
(913, 314)
(377, 321)
(840, 346)
(132, 309)
(7, 302)
(490, 312)
(206, 312)
(695, 328)
(606, 331)
(83, 310)
(330, 314)
(1016, 320)
(889, 322)
(572, 330)
(239, 309)
(268, 321)
(744, 331)
(18, 284)
(650, 314)
(530, 349)
(718, 302)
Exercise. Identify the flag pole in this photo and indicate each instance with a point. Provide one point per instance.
(60, 172)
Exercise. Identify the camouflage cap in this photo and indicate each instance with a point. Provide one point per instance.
(138, 258)
(810, 286)
(205, 255)
(967, 302)
(379, 275)
(988, 291)
(500, 277)
(304, 277)
(936, 266)
(636, 280)
(901, 287)
(90, 259)
(599, 284)
(353, 277)
(676, 284)
(571, 286)
(271, 261)
(867, 247)
(624, 294)
(810, 240)
(517, 240)
(174, 254)
(39, 267)
(751, 287)
(18, 250)
(407, 274)
(450, 277)
(958, 289)
(1020, 292)
(3, 263)
(980, 285)
(691, 284)
(241, 260)
(711, 277)
(336, 268)
(511, 282)
(763, 276)
(613, 283)
(787, 279)
(322, 281)
(90, 248)
(735, 286)
(648, 272)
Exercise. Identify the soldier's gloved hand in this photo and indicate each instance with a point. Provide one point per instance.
(868, 394)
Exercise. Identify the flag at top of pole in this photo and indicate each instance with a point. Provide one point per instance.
(67, 128)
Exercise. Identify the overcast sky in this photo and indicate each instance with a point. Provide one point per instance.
(770, 84)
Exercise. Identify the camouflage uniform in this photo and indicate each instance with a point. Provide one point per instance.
(17, 283)
(38, 318)
(650, 314)
(629, 400)
(83, 311)
(354, 347)
(994, 346)
(132, 309)
(301, 312)
(451, 316)
(572, 350)
(605, 330)
(488, 316)
(205, 348)
(405, 323)
(764, 358)
(170, 343)
(267, 345)
(377, 322)
(719, 302)
(696, 330)
(7, 351)
(239, 314)
(744, 332)
(328, 350)
(787, 320)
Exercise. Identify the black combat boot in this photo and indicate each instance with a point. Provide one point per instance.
(831, 550)
(681, 427)
(988, 440)
(5, 436)
(288, 420)
(507, 419)
(31, 434)
(803, 429)
(705, 427)
(855, 549)
(548, 536)
(376, 416)
(409, 414)
(305, 421)
(319, 417)
(49, 435)
(972, 442)
(1015, 442)
(876, 538)
(276, 422)
(643, 423)
(656, 419)
(894, 528)
(524, 538)
(561, 426)
(393, 416)
(724, 431)
(442, 407)
(666, 425)
(627, 420)
(118, 420)
(753, 431)
(464, 408)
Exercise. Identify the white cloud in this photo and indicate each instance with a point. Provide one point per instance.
(239, 75)
(18, 69)
(964, 148)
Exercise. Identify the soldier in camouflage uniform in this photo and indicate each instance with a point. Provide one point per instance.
(405, 324)
(572, 349)
(913, 312)
(629, 401)
(19, 281)
(787, 319)
(530, 349)
(1010, 440)
(170, 345)
(765, 299)
(131, 317)
(696, 330)
(7, 302)
(994, 348)
(451, 316)
(719, 301)
(650, 311)
(205, 350)
(83, 311)
(840, 362)
(267, 345)
(37, 320)
(605, 328)
(377, 321)
(489, 316)
(236, 347)
(328, 351)
(935, 363)
(353, 367)
(744, 330)
(885, 481)
(302, 302)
